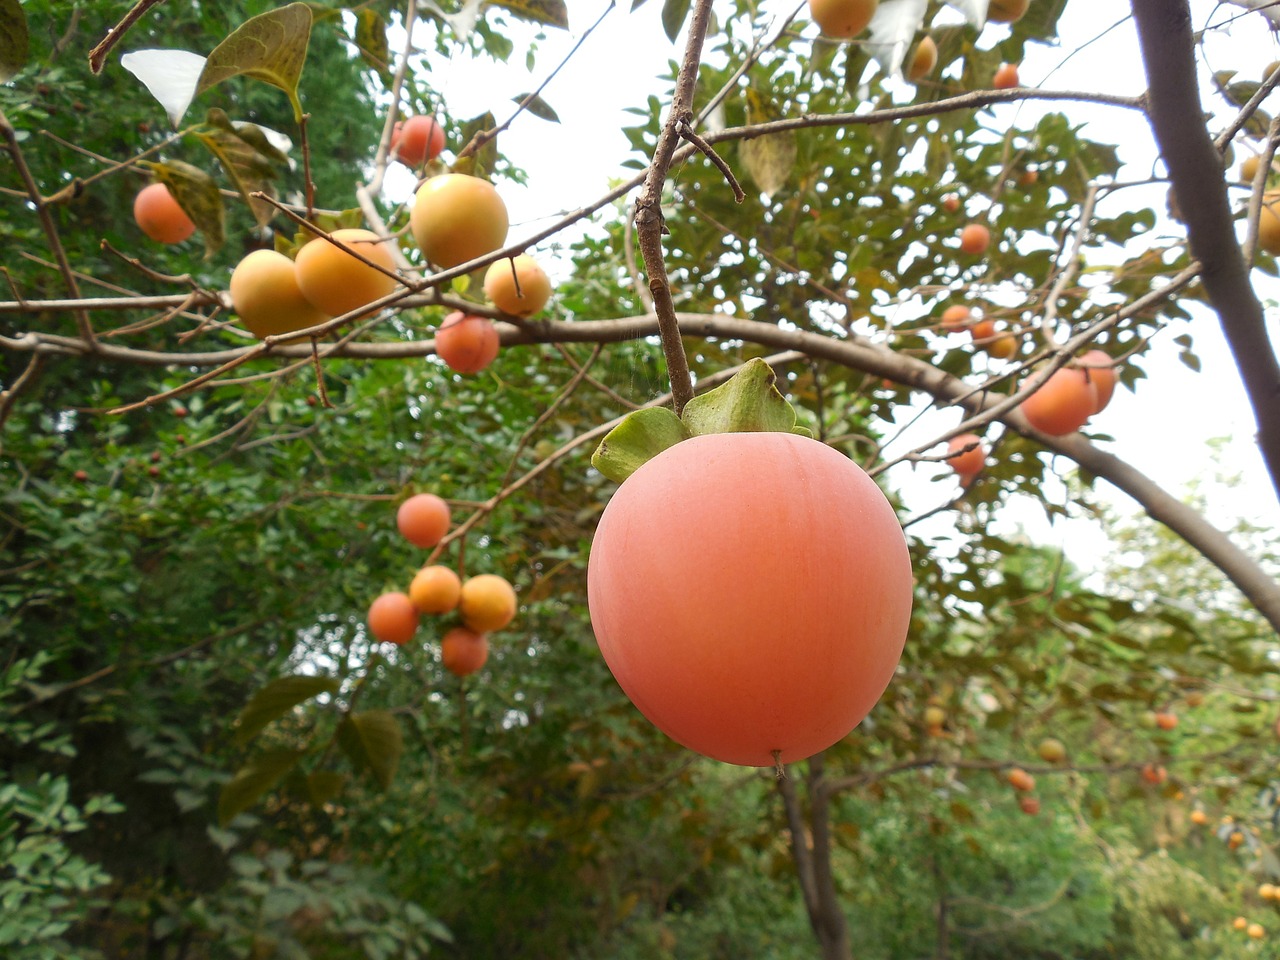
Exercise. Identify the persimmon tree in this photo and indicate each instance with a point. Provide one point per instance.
(203, 508)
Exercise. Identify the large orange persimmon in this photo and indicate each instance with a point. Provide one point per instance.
(842, 18)
(1101, 370)
(1063, 403)
(751, 594)
(456, 218)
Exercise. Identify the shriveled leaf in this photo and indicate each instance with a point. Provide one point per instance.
(553, 13)
(371, 39)
(271, 47)
(15, 42)
(892, 30)
(539, 108)
(748, 403)
(769, 159)
(636, 440)
(253, 780)
(482, 161)
(197, 194)
(276, 699)
(172, 77)
(243, 160)
(372, 741)
(674, 13)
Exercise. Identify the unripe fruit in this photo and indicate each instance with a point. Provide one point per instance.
(457, 218)
(393, 619)
(423, 520)
(1005, 77)
(1007, 11)
(518, 286)
(463, 651)
(969, 463)
(467, 343)
(266, 295)
(923, 59)
(842, 19)
(1052, 750)
(160, 216)
(1062, 404)
(335, 281)
(934, 716)
(416, 140)
(435, 589)
(975, 238)
(488, 603)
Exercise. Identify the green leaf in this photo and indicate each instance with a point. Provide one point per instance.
(748, 403)
(371, 39)
(271, 47)
(14, 39)
(197, 194)
(554, 13)
(247, 158)
(673, 17)
(324, 785)
(538, 107)
(276, 699)
(640, 437)
(253, 780)
(481, 162)
(372, 741)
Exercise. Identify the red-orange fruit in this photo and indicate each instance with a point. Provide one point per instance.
(1063, 403)
(971, 462)
(1020, 780)
(975, 238)
(1007, 11)
(1101, 370)
(983, 329)
(416, 140)
(1006, 76)
(467, 343)
(951, 202)
(1154, 774)
(842, 19)
(776, 636)
(463, 651)
(1166, 721)
(423, 519)
(1030, 805)
(435, 589)
(160, 216)
(956, 317)
(393, 618)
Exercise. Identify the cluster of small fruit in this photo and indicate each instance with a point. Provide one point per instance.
(455, 218)
(483, 603)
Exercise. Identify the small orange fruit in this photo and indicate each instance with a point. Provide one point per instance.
(1006, 76)
(160, 216)
(435, 589)
(1020, 780)
(488, 602)
(922, 60)
(467, 343)
(518, 286)
(842, 19)
(975, 238)
(392, 618)
(423, 519)
(463, 651)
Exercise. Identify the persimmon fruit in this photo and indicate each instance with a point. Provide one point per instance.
(337, 282)
(518, 286)
(970, 462)
(457, 218)
(1029, 805)
(423, 519)
(1020, 780)
(1100, 369)
(1240, 923)
(975, 238)
(923, 59)
(750, 593)
(1255, 931)
(1199, 817)
(487, 602)
(160, 216)
(1166, 721)
(934, 716)
(1052, 750)
(1269, 224)
(1063, 403)
(435, 589)
(956, 317)
(416, 140)
(467, 343)
(951, 202)
(842, 19)
(463, 651)
(393, 618)
(1154, 774)
(1006, 76)
(1249, 167)
(266, 295)
(1007, 11)
(1002, 347)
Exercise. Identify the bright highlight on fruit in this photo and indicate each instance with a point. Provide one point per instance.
(776, 636)
(423, 519)
(159, 215)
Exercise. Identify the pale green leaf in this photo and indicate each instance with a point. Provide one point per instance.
(639, 438)
(271, 47)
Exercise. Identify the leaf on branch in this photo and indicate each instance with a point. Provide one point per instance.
(554, 13)
(14, 39)
(271, 47)
(371, 39)
(771, 158)
(170, 75)
(253, 780)
(323, 786)
(247, 157)
(276, 699)
(674, 13)
(538, 107)
(372, 741)
(893, 28)
(639, 438)
(481, 162)
(198, 195)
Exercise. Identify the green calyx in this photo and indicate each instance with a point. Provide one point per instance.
(749, 402)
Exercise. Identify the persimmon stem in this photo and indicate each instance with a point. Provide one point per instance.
(779, 771)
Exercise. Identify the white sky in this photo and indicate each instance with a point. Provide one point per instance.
(1163, 429)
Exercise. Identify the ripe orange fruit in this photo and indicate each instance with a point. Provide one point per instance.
(1166, 721)
(1269, 224)
(842, 19)
(266, 295)
(518, 286)
(983, 329)
(970, 463)
(335, 281)
(922, 60)
(160, 216)
(1002, 347)
(457, 218)
(1007, 11)
(1006, 76)
(975, 238)
(1029, 805)
(467, 343)
(423, 519)
(392, 618)
(463, 651)
(1199, 817)
(435, 589)
(487, 603)
(1256, 931)
(1062, 404)
(956, 317)
(1267, 891)
(1100, 369)
(784, 648)
(1020, 780)
(1154, 774)
(416, 140)
(1249, 167)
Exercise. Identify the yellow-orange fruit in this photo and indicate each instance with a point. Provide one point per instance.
(1249, 167)
(842, 19)
(1062, 404)
(1007, 11)
(160, 216)
(488, 603)
(1019, 779)
(934, 716)
(1002, 347)
(518, 286)
(923, 59)
(435, 589)
(1256, 931)
(266, 295)
(1100, 369)
(467, 343)
(463, 651)
(1199, 818)
(392, 618)
(975, 238)
(1006, 76)
(423, 519)
(956, 317)
(456, 218)
(971, 461)
(1269, 224)
(338, 283)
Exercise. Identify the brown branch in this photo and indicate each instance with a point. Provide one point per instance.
(98, 55)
